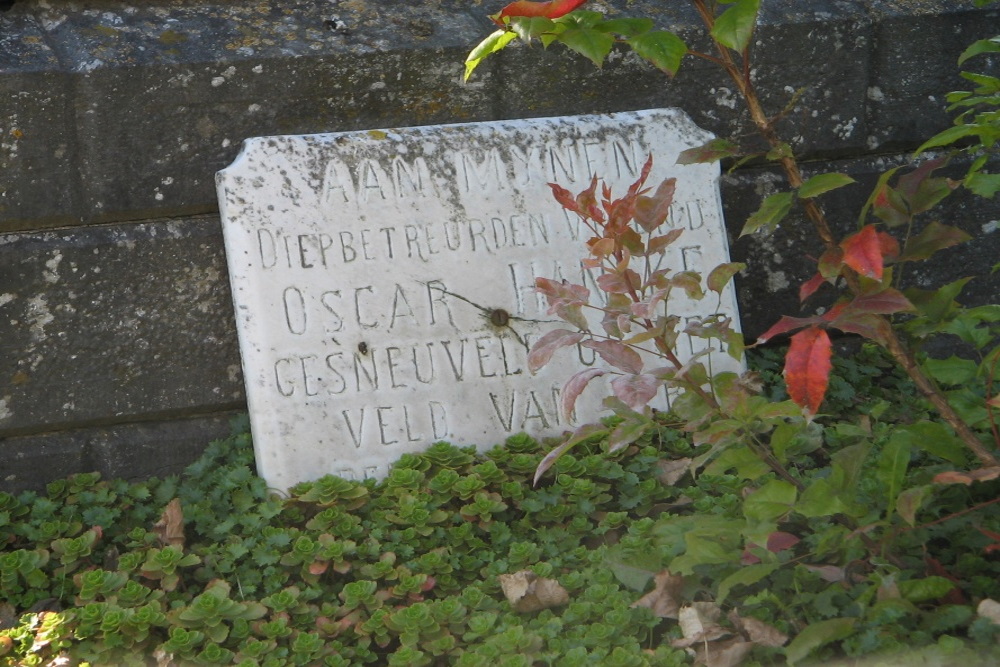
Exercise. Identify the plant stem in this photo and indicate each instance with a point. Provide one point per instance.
(896, 348)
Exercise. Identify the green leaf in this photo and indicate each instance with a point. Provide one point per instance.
(770, 502)
(734, 27)
(772, 211)
(821, 183)
(530, 27)
(932, 238)
(713, 151)
(983, 184)
(745, 576)
(634, 568)
(935, 305)
(816, 635)
(588, 42)
(720, 276)
(491, 44)
(663, 49)
(928, 588)
(991, 45)
(910, 501)
(947, 137)
(934, 438)
(953, 370)
(891, 469)
(820, 499)
(626, 27)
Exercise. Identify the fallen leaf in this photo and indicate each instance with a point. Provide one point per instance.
(669, 472)
(729, 653)
(698, 623)
(756, 631)
(527, 592)
(170, 528)
(8, 616)
(990, 609)
(967, 478)
(662, 600)
(830, 573)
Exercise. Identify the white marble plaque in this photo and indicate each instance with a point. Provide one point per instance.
(369, 268)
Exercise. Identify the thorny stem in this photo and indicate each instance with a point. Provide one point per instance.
(896, 348)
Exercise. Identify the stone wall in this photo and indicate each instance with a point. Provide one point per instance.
(117, 344)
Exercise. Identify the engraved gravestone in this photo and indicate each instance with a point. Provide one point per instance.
(384, 280)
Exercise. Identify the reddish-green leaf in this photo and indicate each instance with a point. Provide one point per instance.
(821, 183)
(542, 351)
(786, 324)
(658, 244)
(582, 434)
(863, 252)
(807, 368)
(722, 274)
(663, 49)
(734, 26)
(713, 151)
(651, 212)
(884, 302)
(872, 327)
(932, 238)
(616, 354)
(575, 386)
(810, 286)
(549, 10)
(831, 262)
(619, 282)
(636, 391)
(772, 211)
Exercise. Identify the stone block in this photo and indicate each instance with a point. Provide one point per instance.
(127, 451)
(37, 143)
(108, 324)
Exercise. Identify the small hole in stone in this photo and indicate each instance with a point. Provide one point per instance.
(499, 317)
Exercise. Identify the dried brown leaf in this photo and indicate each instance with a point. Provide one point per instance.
(990, 609)
(670, 471)
(756, 631)
(729, 653)
(527, 592)
(830, 573)
(170, 528)
(967, 478)
(663, 599)
(8, 616)
(698, 623)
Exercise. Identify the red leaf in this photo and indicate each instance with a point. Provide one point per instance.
(888, 246)
(549, 10)
(546, 346)
(566, 199)
(884, 302)
(807, 368)
(574, 386)
(869, 326)
(810, 286)
(786, 324)
(830, 262)
(863, 252)
(617, 354)
(651, 212)
(659, 243)
(779, 541)
(619, 282)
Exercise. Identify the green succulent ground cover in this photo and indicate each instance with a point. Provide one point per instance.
(405, 572)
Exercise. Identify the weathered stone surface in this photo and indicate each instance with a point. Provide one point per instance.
(128, 451)
(37, 146)
(110, 324)
(165, 91)
(384, 280)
